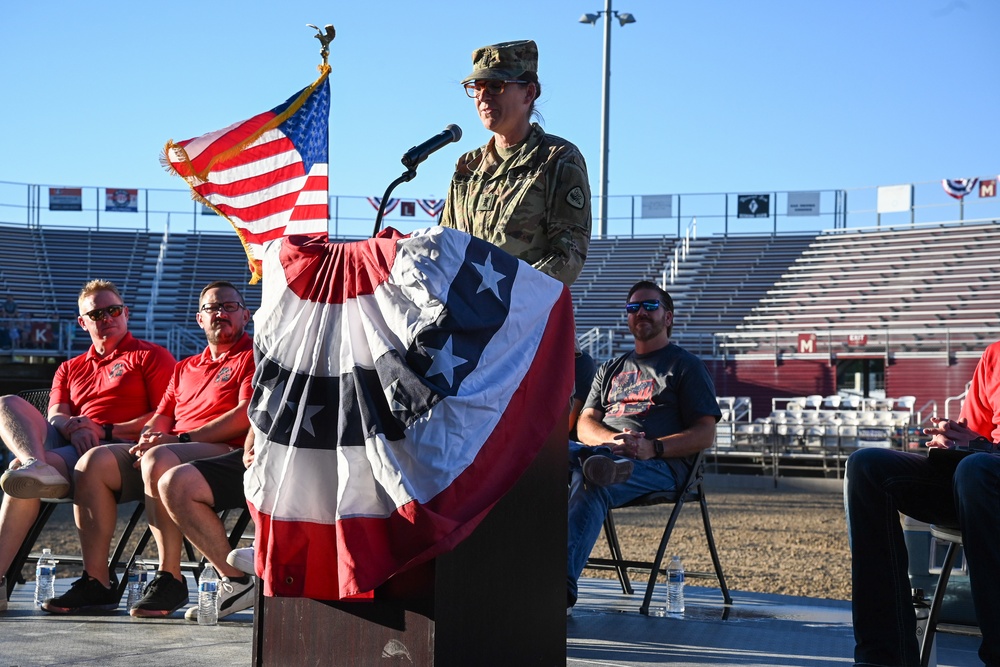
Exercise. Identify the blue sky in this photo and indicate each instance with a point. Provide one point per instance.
(705, 96)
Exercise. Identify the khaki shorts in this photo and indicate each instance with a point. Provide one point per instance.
(132, 487)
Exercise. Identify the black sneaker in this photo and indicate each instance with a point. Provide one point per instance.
(163, 596)
(84, 595)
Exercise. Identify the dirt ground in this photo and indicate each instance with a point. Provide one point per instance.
(770, 541)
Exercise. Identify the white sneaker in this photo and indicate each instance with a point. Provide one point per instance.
(34, 479)
(242, 560)
(233, 597)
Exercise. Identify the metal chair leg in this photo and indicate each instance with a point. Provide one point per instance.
(936, 602)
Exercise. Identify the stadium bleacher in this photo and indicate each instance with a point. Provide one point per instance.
(931, 288)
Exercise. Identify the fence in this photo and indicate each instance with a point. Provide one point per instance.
(628, 215)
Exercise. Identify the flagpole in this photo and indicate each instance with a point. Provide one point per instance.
(325, 36)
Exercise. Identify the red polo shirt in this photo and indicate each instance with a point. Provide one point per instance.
(124, 384)
(203, 389)
(982, 405)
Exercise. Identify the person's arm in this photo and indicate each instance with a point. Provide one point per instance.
(700, 435)
(569, 223)
(592, 431)
(947, 433)
(248, 449)
(227, 426)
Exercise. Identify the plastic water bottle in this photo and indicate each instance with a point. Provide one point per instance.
(675, 587)
(136, 582)
(208, 597)
(45, 577)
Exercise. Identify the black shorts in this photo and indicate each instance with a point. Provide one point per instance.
(224, 475)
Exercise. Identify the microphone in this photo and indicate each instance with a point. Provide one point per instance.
(419, 153)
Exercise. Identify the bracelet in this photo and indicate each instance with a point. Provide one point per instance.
(108, 432)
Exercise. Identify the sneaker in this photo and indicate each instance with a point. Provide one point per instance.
(34, 479)
(242, 560)
(234, 596)
(162, 596)
(604, 471)
(85, 594)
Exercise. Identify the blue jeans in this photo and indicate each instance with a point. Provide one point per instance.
(879, 484)
(588, 504)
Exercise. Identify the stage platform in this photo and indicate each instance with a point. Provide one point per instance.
(605, 630)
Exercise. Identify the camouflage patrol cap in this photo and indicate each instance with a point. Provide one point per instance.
(507, 60)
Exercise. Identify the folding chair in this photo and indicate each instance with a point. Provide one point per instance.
(953, 536)
(39, 398)
(693, 489)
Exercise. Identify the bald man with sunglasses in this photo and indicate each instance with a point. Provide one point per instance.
(648, 415)
(104, 395)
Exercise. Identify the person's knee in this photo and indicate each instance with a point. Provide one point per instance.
(97, 467)
(18, 413)
(977, 474)
(154, 464)
(181, 484)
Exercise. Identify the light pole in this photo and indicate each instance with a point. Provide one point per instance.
(623, 19)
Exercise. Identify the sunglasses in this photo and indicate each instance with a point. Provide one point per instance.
(98, 314)
(228, 306)
(492, 86)
(649, 306)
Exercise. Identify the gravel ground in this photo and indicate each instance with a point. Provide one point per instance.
(770, 541)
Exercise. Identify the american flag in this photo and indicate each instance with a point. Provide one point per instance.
(266, 175)
(403, 385)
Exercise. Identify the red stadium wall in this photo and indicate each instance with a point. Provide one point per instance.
(927, 379)
(761, 380)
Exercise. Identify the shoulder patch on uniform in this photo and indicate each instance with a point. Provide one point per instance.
(575, 198)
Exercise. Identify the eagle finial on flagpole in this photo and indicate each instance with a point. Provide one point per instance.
(324, 36)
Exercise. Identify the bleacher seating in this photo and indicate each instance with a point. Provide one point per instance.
(914, 280)
(716, 284)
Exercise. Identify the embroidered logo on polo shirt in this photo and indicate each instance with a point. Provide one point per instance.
(224, 374)
(116, 371)
(575, 198)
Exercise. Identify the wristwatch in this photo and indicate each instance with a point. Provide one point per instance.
(658, 447)
(184, 437)
(109, 430)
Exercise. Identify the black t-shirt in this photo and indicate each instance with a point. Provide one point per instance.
(661, 393)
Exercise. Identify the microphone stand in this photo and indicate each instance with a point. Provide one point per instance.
(407, 175)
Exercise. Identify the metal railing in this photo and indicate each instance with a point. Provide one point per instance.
(351, 216)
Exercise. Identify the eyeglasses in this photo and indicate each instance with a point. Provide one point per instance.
(649, 306)
(492, 86)
(228, 306)
(98, 314)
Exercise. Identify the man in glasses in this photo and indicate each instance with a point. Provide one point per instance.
(203, 413)
(104, 395)
(525, 191)
(649, 413)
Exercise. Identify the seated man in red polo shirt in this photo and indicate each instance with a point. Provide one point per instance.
(203, 413)
(105, 394)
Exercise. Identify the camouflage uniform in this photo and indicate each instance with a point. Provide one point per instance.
(535, 204)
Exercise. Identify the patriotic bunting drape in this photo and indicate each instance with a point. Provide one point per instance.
(266, 175)
(431, 207)
(403, 385)
(958, 187)
(390, 204)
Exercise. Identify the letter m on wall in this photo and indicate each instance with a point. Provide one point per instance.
(807, 343)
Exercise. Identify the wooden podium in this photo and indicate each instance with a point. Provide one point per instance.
(499, 598)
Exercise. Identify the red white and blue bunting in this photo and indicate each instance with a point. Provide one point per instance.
(432, 207)
(958, 187)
